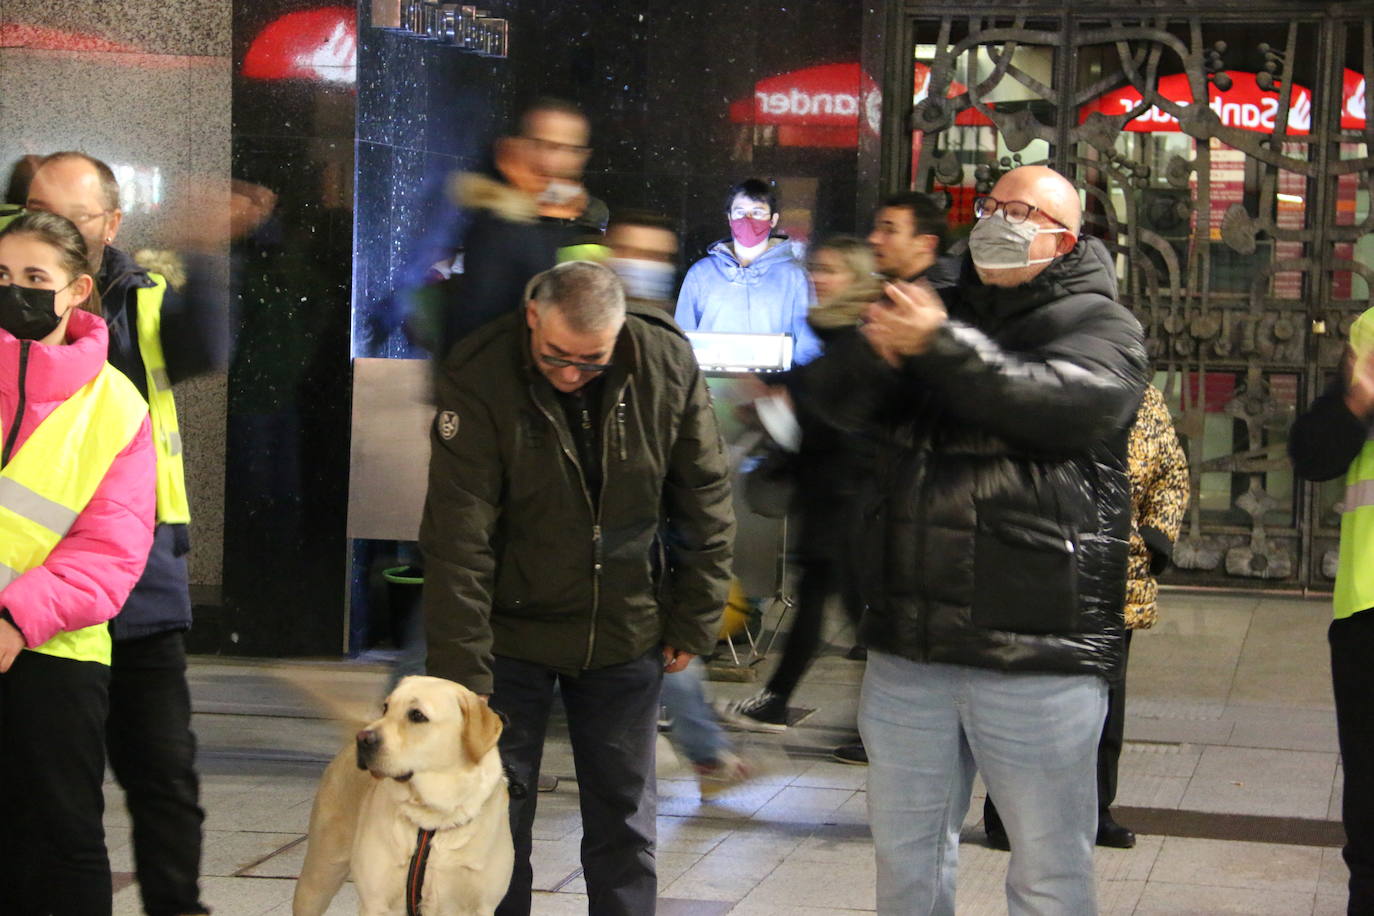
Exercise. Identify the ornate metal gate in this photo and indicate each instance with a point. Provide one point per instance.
(1241, 222)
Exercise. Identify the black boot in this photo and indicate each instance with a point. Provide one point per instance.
(1110, 833)
(992, 827)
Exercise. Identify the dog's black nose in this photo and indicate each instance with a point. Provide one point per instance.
(369, 739)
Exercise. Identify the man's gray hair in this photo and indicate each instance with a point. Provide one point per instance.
(589, 296)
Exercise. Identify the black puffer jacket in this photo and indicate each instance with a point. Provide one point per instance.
(1001, 533)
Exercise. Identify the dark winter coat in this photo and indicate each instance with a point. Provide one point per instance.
(195, 340)
(506, 245)
(1000, 539)
(519, 563)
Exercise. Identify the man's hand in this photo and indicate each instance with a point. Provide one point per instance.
(1359, 388)
(905, 322)
(674, 661)
(11, 644)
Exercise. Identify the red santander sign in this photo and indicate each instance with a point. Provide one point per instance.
(1244, 105)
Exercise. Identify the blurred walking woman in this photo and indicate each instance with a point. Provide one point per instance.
(76, 524)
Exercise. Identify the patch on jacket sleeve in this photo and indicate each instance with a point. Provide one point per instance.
(448, 424)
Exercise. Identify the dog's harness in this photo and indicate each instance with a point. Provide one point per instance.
(415, 875)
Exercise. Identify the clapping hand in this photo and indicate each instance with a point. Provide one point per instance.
(904, 322)
(1359, 388)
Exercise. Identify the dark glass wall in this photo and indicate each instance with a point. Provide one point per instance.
(670, 90)
(286, 467)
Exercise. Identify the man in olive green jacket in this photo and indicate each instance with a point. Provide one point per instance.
(577, 531)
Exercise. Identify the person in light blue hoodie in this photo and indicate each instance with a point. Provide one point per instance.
(752, 282)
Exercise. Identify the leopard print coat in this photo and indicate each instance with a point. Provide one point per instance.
(1158, 471)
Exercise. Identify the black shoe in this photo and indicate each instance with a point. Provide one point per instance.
(765, 711)
(856, 654)
(997, 837)
(852, 754)
(1110, 833)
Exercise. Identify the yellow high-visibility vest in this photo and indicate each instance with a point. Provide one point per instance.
(52, 478)
(173, 508)
(1355, 572)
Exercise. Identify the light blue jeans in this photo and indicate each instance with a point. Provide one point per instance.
(696, 732)
(928, 728)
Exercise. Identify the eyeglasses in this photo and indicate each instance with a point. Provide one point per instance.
(559, 362)
(1015, 211)
(76, 218)
(756, 213)
(553, 146)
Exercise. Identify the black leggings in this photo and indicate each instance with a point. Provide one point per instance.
(820, 578)
(52, 762)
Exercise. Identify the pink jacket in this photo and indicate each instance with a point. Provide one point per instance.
(89, 574)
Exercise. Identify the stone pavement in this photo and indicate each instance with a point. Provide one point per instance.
(1230, 776)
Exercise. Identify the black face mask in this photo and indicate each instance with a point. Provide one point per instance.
(29, 314)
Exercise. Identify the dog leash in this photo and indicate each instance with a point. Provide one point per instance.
(415, 875)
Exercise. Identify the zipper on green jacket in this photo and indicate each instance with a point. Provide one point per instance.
(593, 508)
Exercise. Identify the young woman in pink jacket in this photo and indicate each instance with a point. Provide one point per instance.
(77, 483)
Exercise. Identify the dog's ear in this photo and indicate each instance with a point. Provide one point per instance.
(481, 726)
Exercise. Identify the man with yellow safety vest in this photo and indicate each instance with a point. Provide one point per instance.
(1335, 436)
(162, 330)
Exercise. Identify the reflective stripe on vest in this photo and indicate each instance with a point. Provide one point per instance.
(52, 478)
(1355, 573)
(173, 508)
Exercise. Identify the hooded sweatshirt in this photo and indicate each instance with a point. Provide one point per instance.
(769, 296)
(88, 576)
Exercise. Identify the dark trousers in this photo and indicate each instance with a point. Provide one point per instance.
(613, 724)
(52, 762)
(1352, 680)
(820, 578)
(1113, 734)
(1108, 746)
(152, 752)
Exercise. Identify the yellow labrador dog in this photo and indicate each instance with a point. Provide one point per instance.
(419, 811)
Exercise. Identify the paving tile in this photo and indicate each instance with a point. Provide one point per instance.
(670, 866)
(345, 903)
(1166, 899)
(803, 805)
(834, 851)
(1334, 877)
(684, 834)
(799, 883)
(1128, 865)
(982, 878)
(1333, 810)
(1253, 866)
(555, 861)
(1118, 898)
(245, 896)
(1331, 905)
(1145, 791)
(733, 868)
(770, 909)
(1258, 781)
(550, 904)
(225, 852)
(828, 774)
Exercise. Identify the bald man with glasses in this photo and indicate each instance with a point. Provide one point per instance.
(994, 619)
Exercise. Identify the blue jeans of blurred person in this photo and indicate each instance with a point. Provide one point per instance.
(929, 727)
(696, 732)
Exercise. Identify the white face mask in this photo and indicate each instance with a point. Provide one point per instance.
(996, 244)
(644, 279)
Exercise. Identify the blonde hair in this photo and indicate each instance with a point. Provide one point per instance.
(854, 251)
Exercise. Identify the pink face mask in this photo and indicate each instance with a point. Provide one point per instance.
(749, 231)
